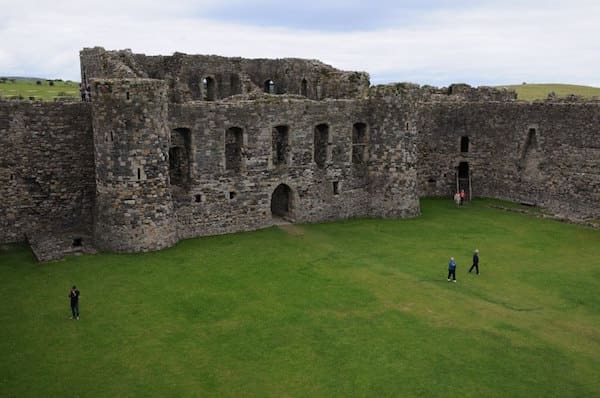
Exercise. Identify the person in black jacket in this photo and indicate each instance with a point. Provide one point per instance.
(74, 296)
(475, 262)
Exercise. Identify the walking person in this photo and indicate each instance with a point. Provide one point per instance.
(463, 196)
(74, 296)
(457, 199)
(475, 262)
(452, 270)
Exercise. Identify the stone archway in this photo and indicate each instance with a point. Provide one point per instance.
(463, 179)
(281, 202)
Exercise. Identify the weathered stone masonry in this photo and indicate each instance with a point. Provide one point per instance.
(180, 146)
(46, 169)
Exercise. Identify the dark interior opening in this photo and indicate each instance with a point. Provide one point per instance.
(209, 89)
(179, 157)
(463, 170)
(233, 148)
(235, 85)
(359, 143)
(281, 201)
(304, 88)
(464, 144)
(77, 242)
(321, 139)
(281, 147)
(269, 86)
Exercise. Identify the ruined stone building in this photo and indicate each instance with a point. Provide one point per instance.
(173, 147)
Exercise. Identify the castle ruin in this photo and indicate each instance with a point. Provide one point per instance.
(173, 147)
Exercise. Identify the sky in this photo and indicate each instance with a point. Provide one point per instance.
(435, 42)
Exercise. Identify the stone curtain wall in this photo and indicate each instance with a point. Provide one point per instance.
(231, 76)
(221, 201)
(134, 210)
(46, 168)
(392, 152)
(558, 169)
(146, 163)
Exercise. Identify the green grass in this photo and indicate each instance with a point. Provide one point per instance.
(530, 92)
(26, 88)
(355, 308)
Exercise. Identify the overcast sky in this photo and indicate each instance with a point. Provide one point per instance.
(435, 42)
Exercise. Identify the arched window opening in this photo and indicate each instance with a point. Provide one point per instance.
(269, 86)
(321, 140)
(281, 145)
(233, 148)
(304, 88)
(464, 144)
(359, 143)
(209, 88)
(235, 85)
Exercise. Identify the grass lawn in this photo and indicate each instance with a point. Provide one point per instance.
(530, 92)
(28, 88)
(355, 308)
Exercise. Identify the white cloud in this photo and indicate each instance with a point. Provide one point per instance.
(498, 42)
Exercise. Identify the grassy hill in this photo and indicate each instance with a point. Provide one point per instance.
(530, 92)
(354, 308)
(38, 89)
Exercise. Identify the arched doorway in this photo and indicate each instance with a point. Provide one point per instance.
(463, 179)
(281, 201)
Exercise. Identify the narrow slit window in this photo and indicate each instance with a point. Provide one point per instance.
(336, 188)
(464, 144)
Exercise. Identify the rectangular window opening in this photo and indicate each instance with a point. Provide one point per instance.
(336, 188)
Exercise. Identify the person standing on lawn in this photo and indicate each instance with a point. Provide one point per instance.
(475, 262)
(74, 296)
(452, 270)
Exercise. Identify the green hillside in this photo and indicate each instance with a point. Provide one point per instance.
(37, 89)
(530, 92)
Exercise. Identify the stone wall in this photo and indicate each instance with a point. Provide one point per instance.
(543, 153)
(46, 168)
(189, 76)
(204, 150)
(393, 159)
(134, 210)
(220, 201)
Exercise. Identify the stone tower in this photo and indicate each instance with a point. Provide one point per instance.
(134, 209)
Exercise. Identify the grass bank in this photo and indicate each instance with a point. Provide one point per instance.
(355, 308)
